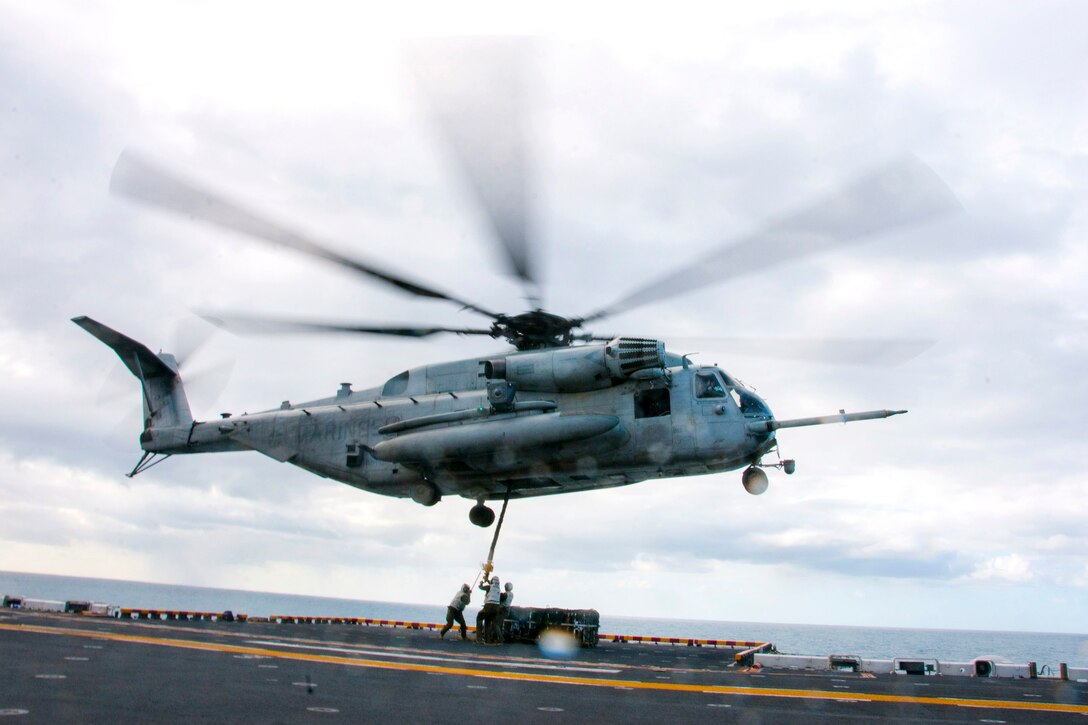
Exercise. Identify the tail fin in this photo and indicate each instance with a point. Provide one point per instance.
(165, 405)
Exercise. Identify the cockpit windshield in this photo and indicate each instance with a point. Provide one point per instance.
(751, 405)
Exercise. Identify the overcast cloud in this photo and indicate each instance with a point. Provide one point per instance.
(657, 139)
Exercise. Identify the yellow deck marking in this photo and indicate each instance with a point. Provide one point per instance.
(554, 679)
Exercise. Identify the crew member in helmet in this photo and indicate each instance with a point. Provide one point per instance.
(455, 612)
(490, 609)
(506, 600)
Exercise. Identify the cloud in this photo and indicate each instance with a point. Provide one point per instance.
(1011, 568)
(655, 146)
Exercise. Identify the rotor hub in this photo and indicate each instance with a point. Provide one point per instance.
(535, 330)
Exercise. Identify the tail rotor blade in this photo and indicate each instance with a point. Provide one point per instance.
(206, 385)
(190, 337)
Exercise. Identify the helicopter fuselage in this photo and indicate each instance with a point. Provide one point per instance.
(528, 423)
(436, 430)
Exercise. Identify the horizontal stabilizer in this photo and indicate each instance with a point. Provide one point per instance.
(140, 361)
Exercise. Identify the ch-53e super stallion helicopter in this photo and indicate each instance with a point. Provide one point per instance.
(566, 410)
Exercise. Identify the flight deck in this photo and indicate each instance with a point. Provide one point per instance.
(60, 667)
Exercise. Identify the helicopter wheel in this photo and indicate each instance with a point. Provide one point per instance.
(481, 515)
(754, 480)
(425, 493)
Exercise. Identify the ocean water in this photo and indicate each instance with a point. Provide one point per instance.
(947, 645)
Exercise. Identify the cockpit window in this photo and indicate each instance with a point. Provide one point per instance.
(396, 385)
(708, 385)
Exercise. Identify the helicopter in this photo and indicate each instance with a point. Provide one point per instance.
(565, 410)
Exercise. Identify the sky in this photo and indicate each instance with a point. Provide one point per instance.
(656, 138)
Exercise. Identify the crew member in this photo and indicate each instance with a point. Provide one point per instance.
(455, 612)
(506, 600)
(490, 610)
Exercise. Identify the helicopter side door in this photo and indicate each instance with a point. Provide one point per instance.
(652, 425)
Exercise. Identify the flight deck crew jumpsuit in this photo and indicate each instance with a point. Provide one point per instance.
(506, 600)
(455, 612)
(489, 611)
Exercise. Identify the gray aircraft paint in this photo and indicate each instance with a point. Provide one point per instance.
(579, 421)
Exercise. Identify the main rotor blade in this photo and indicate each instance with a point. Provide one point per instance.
(835, 351)
(269, 326)
(476, 90)
(143, 181)
(897, 195)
